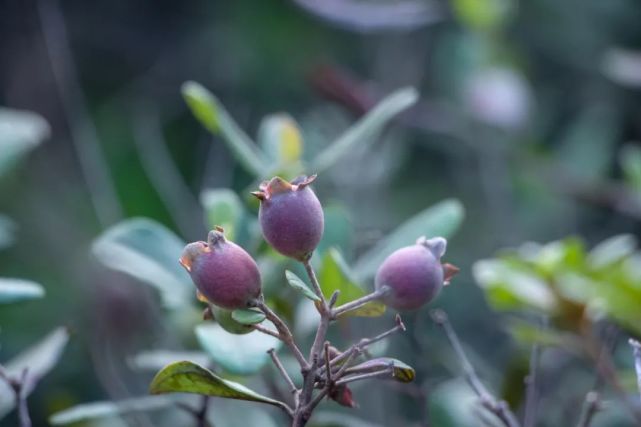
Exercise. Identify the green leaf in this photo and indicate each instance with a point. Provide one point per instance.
(20, 132)
(612, 250)
(248, 316)
(94, 410)
(14, 290)
(38, 360)
(454, 404)
(280, 138)
(530, 334)
(335, 275)
(211, 113)
(339, 229)
(510, 287)
(223, 207)
(366, 129)
(298, 284)
(401, 371)
(187, 377)
(7, 231)
(482, 14)
(442, 219)
(630, 159)
(237, 354)
(148, 251)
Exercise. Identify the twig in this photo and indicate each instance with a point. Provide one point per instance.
(283, 372)
(201, 414)
(352, 378)
(285, 334)
(636, 351)
(328, 370)
(498, 407)
(267, 331)
(591, 406)
(358, 303)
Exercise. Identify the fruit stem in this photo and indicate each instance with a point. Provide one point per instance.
(358, 303)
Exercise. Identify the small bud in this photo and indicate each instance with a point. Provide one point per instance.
(291, 217)
(413, 275)
(224, 274)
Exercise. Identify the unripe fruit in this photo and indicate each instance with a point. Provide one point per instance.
(291, 217)
(413, 275)
(223, 272)
(224, 319)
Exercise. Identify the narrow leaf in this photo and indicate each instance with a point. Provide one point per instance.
(187, 377)
(94, 410)
(148, 251)
(14, 290)
(335, 275)
(247, 316)
(237, 354)
(442, 219)
(298, 284)
(365, 130)
(38, 360)
(224, 208)
(211, 113)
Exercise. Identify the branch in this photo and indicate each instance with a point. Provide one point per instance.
(283, 372)
(352, 378)
(267, 331)
(498, 407)
(358, 303)
(285, 334)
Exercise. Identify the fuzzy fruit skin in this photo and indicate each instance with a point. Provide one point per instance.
(291, 219)
(414, 276)
(223, 272)
(224, 319)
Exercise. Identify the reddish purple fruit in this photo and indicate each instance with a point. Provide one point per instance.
(413, 275)
(223, 272)
(291, 216)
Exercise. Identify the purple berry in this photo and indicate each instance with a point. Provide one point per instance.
(413, 275)
(291, 216)
(223, 272)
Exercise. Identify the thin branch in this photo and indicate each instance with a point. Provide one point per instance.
(352, 378)
(267, 331)
(201, 414)
(281, 369)
(636, 351)
(358, 303)
(328, 370)
(284, 333)
(591, 406)
(498, 407)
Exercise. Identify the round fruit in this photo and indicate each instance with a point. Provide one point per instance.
(291, 217)
(223, 272)
(224, 319)
(412, 276)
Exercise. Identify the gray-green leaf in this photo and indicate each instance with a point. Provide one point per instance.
(442, 219)
(13, 290)
(365, 130)
(248, 316)
(20, 132)
(148, 251)
(93, 410)
(298, 284)
(224, 208)
(211, 113)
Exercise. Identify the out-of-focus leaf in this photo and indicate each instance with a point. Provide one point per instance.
(230, 413)
(148, 251)
(442, 219)
(623, 66)
(587, 145)
(93, 410)
(335, 275)
(154, 360)
(630, 159)
(339, 419)
(13, 290)
(509, 287)
(298, 284)
(247, 316)
(38, 360)
(20, 132)
(554, 257)
(339, 229)
(187, 377)
(482, 14)
(280, 138)
(454, 404)
(530, 334)
(211, 113)
(224, 208)
(365, 130)
(237, 354)
(611, 250)
(401, 371)
(7, 231)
